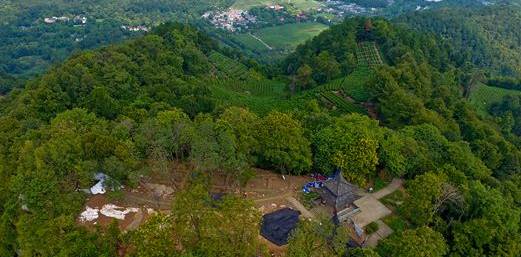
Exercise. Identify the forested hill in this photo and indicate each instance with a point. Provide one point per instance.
(422, 81)
(488, 37)
(7, 83)
(30, 44)
(166, 67)
(174, 96)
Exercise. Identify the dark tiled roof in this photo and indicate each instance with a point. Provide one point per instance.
(343, 192)
(339, 185)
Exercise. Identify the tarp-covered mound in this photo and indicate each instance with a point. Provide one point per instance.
(277, 226)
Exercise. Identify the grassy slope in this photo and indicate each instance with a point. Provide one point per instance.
(250, 42)
(483, 96)
(289, 36)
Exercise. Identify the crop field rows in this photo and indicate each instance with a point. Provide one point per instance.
(341, 103)
(262, 96)
(228, 66)
(368, 55)
(353, 84)
(253, 87)
(261, 105)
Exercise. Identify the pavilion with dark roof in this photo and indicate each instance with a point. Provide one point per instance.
(340, 195)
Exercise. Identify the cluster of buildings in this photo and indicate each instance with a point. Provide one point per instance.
(237, 20)
(77, 20)
(231, 19)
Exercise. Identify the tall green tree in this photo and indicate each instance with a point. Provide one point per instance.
(206, 227)
(318, 238)
(351, 145)
(304, 79)
(420, 242)
(243, 124)
(154, 238)
(215, 148)
(429, 194)
(282, 143)
(326, 67)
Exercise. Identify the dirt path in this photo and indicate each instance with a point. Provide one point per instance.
(138, 218)
(274, 198)
(300, 207)
(262, 42)
(389, 189)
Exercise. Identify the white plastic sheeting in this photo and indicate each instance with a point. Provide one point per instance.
(99, 188)
(89, 214)
(109, 210)
(114, 211)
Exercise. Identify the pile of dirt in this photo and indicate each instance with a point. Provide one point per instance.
(159, 190)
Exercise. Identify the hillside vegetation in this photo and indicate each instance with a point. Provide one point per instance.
(483, 97)
(30, 46)
(175, 95)
(487, 38)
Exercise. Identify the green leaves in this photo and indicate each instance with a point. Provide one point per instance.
(423, 191)
(420, 242)
(318, 238)
(207, 227)
(350, 144)
(282, 143)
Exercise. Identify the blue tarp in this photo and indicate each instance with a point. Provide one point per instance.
(315, 184)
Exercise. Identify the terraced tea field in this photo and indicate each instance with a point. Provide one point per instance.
(353, 85)
(263, 87)
(341, 103)
(368, 55)
(262, 95)
(228, 66)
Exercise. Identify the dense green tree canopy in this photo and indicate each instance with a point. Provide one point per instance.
(282, 143)
(318, 238)
(350, 145)
(140, 106)
(423, 242)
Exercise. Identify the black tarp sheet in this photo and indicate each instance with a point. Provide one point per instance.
(277, 226)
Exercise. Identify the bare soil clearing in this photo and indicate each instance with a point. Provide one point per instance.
(269, 192)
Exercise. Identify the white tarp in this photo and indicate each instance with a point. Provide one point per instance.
(99, 188)
(89, 214)
(109, 210)
(114, 211)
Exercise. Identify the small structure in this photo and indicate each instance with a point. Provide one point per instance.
(100, 187)
(277, 226)
(341, 195)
